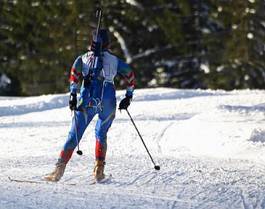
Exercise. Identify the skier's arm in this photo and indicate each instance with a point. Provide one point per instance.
(75, 74)
(126, 71)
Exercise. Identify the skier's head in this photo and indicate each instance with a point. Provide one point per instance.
(103, 38)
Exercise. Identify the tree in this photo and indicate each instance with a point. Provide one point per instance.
(242, 56)
(182, 44)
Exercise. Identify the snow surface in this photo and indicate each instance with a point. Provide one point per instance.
(210, 146)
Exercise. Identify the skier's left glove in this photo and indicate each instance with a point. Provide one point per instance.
(124, 103)
(72, 101)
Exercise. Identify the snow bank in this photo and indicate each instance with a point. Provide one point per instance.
(18, 106)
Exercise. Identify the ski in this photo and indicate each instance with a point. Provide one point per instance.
(106, 180)
(41, 181)
(26, 180)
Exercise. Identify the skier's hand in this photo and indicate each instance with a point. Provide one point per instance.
(72, 101)
(124, 103)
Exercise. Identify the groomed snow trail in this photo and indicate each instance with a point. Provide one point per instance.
(210, 146)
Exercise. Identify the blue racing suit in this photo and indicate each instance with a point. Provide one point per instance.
(112, 66)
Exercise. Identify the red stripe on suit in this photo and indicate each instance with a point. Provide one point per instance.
(74, 75)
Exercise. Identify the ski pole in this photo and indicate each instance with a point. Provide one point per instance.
(157, 167)
(79, 152)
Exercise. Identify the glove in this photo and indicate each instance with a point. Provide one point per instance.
(124, 103)
(72, 101)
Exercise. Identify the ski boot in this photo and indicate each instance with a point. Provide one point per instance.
(99, 170)
(58, 172)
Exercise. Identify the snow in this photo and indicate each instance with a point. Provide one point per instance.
(4, 81)
(210, 146)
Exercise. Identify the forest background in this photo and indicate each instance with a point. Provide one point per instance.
(204, 44)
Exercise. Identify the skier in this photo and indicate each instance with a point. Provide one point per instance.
(88, 106)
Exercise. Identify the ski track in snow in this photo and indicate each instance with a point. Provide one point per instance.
(209, 144)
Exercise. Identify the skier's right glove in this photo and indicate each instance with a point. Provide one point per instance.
(72, 101)
(124, 103)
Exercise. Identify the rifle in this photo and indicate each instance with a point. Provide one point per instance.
(93, 81)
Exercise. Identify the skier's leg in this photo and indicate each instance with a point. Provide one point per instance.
(79, 123)
(102, 127)
(78, 127)
(104, 122)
